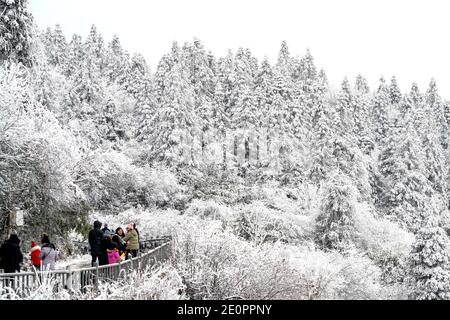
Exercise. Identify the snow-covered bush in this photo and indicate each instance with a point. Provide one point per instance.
(385, 242)
(209, 209)
(163, 283)
(257, 223)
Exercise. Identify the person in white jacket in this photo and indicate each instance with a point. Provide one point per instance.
(49, 254)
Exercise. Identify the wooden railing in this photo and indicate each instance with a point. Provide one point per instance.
(152, 252)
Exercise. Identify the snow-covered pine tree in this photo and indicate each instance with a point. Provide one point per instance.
(307, 67)
(220, 121)
(380, 111)
(435, 106)
(285, 61)
(344, 123)
(56, 47)
(429, 261)
(335, 222)
(94, 48)
(170, 136)
(264, 99)
(394, 91)
(139, 83)
(310, 89)
(321, 133)
(361, 85)
(402, 163)
(116, 62)
(76, 56)
(361, 115)
(224, 102)
(243, 85)
(201, 76)
(16, 25)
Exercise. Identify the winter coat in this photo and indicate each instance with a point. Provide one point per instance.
(10, 255)
(105, 245)
(35, 255)
(113, 257)
(132, 240)
(48, 256)
(121, 245)
(95, 238)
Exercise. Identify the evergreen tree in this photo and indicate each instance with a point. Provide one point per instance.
(394, 91)
(264, 99)
(435, 106)
(285, 62)
(407, 189)
(363, 123)
(361, 85)
(116, 62)
(76, 56)
(15, 31)
(171, 126)
(56, 47)
(344, 122)
(335, 223)
(381, 104)
(201, 76)
(429, 262)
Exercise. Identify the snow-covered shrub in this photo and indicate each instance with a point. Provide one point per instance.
(255, 222)
(215, 264)
(161, 188)
(209, 209)
(330, 275)
(163, 283)
(386, 243)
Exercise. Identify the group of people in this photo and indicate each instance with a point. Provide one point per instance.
(108, 247)
(42, 258)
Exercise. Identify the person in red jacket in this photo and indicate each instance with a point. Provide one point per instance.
(35, 255)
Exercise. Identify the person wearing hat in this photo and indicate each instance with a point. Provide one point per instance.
(105, 228)
(132, 240)
(48, 254)
(35, 254)
(10, 255)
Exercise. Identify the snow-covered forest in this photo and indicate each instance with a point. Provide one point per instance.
(273, 185)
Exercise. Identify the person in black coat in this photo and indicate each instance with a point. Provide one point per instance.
(10, 255)
(104, 245)
(95, 239)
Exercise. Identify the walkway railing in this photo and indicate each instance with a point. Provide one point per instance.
(152, 252)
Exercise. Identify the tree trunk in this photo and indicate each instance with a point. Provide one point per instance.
(203, 146)
(224, 150)
(247, 149)
(268, 143)
(257, 149)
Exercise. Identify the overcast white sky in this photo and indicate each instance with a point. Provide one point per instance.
(406, 38)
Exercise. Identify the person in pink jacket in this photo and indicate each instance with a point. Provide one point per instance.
(113, 256)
